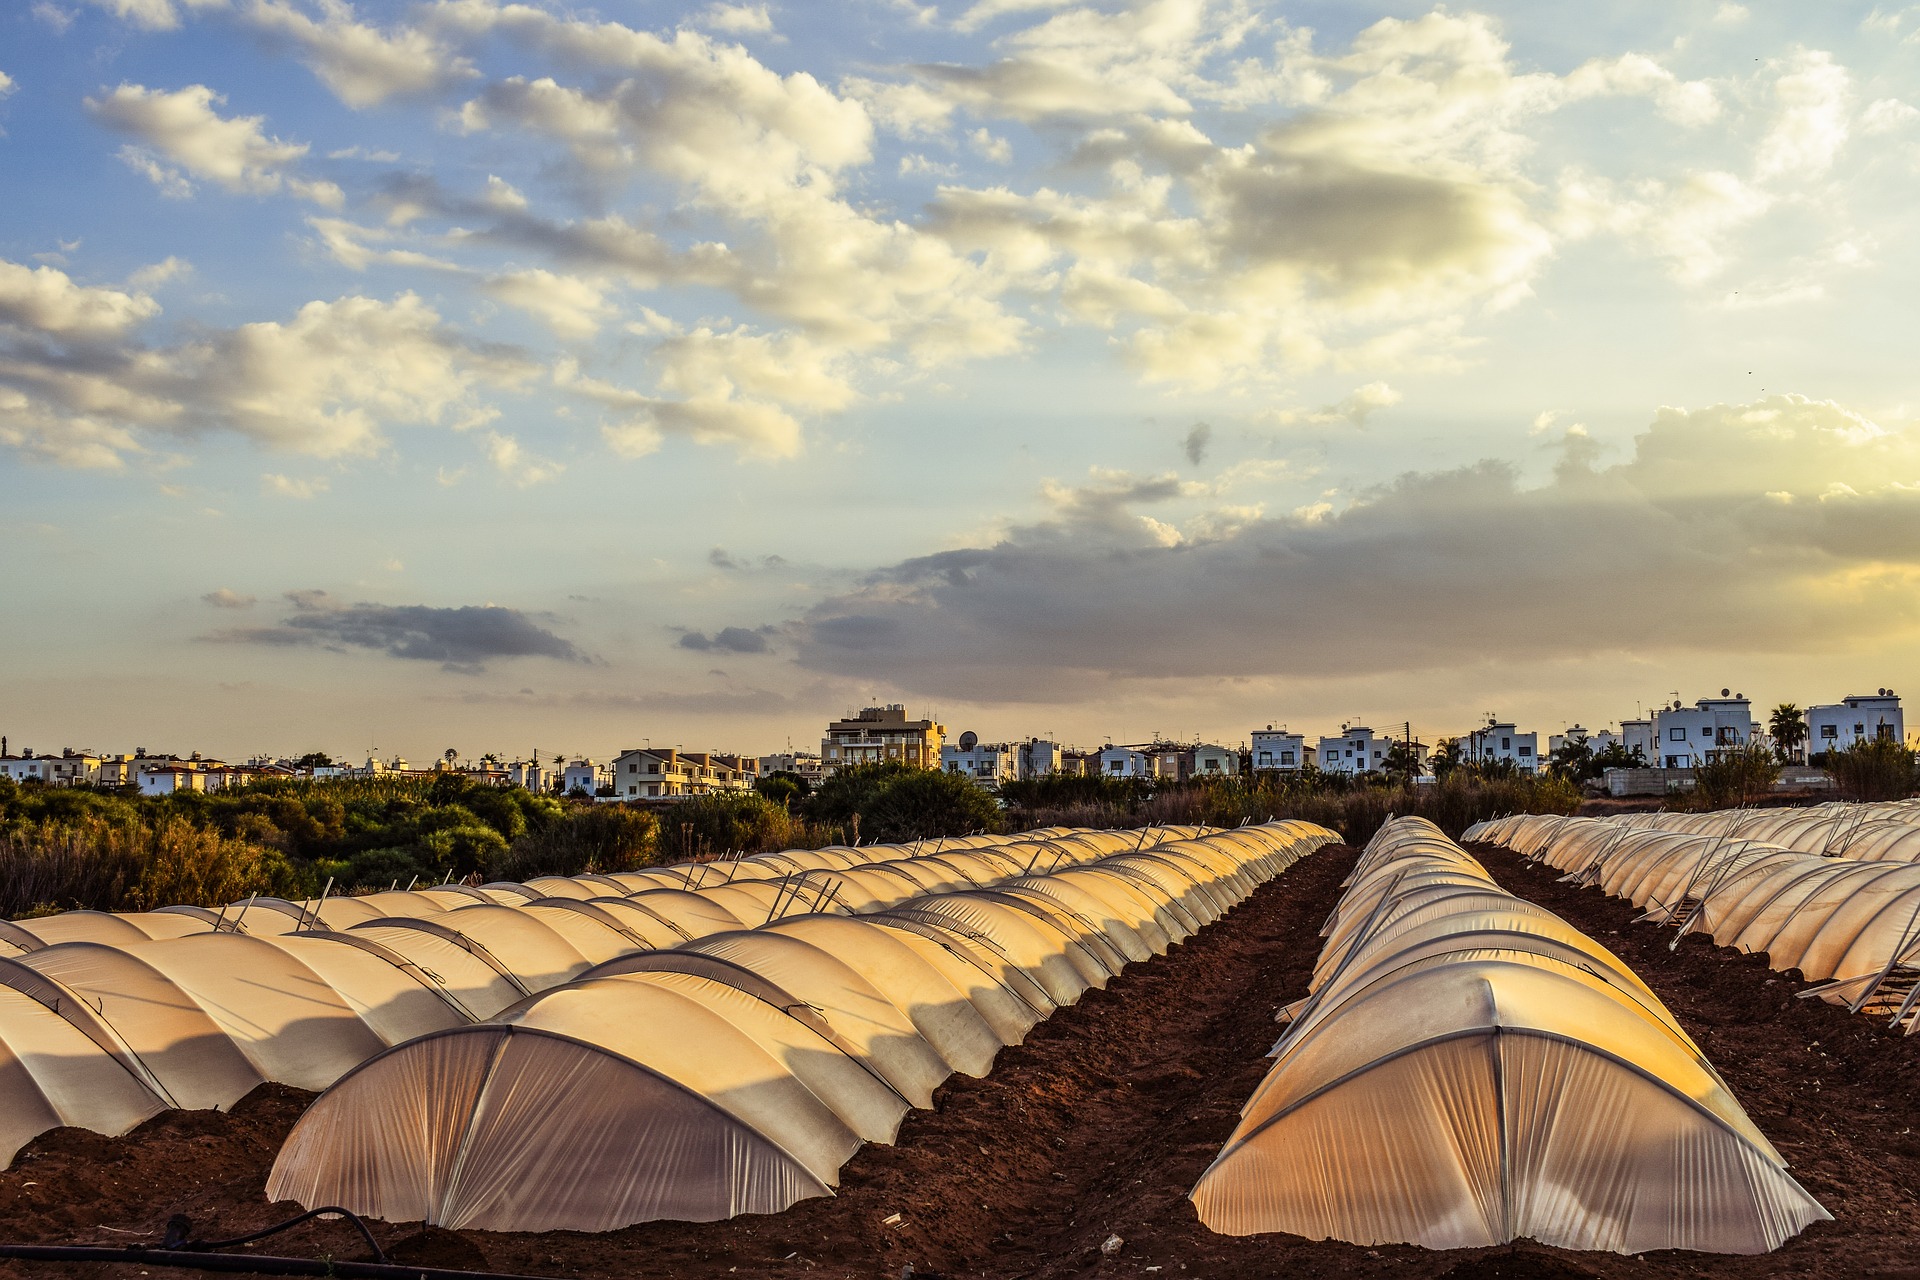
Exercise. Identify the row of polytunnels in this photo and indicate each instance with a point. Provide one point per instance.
(1830, 893)
(1469, 1069)
(106, 1020)
(706, 1040)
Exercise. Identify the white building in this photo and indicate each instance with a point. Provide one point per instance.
(1498, 742)
(1038, 758)
(988, 763)
(1688, 736)
(1277, 749)
(586, 776)
(64, 770)
(1854, 718)
(811, 768)
(1356, 750)
(1125, 762)
(1638, 735)
(1210, 761)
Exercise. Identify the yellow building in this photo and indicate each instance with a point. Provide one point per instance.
(880, 734)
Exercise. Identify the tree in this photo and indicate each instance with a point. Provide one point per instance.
(1447, 755)
(1573, 760)
(315, 759)
(782, 786)
(1403, 762)
(450, 755)
(1615, 755)
(1788, 725)
(1734, 776)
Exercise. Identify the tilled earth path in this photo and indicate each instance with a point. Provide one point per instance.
(1096, 1128)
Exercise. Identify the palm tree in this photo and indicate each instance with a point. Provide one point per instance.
(1789, 729)
(1448, 755)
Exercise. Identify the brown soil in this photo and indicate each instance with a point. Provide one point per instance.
(1097, 1127)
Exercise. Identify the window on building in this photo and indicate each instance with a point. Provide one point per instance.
(1883, 731)
(1266, 759)
(1506, 744)
(1286, 757)
(1677, 734)
(1829, 730)
(1526, 752)
(1859, 729)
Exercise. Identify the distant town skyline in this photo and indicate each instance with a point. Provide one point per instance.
(415, 376)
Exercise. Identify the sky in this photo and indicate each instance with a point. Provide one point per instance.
(519, 377)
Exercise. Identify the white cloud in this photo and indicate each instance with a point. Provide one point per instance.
(1356, 407)
(993, 148)
(362, 64)
(158, 273)
(6, 84)
(183, 128)
(154, 15)
(736, 19)
(47, 301)
(53, 16)
(77, 388)
(1815, 95)
(1730, 14)
(287, 487)
(1886, 115)
(574, 308)
(517, 465)
(722, 387)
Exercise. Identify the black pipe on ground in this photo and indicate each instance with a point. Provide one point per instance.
(245, 1263)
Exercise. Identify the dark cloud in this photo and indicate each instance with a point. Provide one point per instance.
(729, 640)
(462, 638)
(1743, 529)
(721, 558)
(1196, 443)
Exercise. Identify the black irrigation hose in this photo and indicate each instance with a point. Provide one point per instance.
(176, 1249)
(245, 1263)
(178, 1227)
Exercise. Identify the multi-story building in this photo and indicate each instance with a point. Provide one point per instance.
(1687, 736)
(1596, 740)
(1278, 749)
(1210, 761)
(1498, 742)
(1356, 750)
(585, 775)
(880, 734)
(1638, 734)
(1125, 762)
(1038, 758)
(1080, 763)
(664, 773)
(988, 763)
(64, 770)
(810, 767)
(527, 773)
(1855, 718)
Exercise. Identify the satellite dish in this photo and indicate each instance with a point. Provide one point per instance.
(969, 740)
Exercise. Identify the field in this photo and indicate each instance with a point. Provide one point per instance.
(1097, 1127)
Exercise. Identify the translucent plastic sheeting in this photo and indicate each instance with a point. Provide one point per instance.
(1470, 1070)
(193, 1007)
(1854, 924)
(771, 1052)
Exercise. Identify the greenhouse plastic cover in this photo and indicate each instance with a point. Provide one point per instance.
(737, 1072)
(1842, 920)
(1471, 1070)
